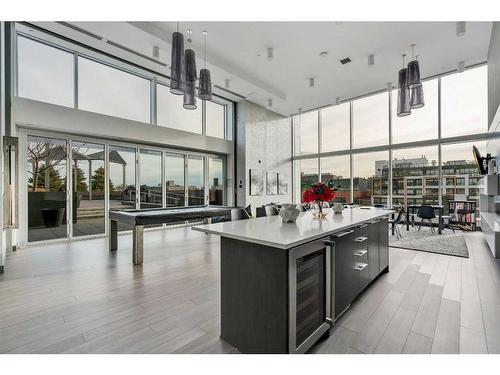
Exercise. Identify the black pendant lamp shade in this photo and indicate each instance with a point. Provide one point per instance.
(413, 74)
(403, 108)
(177, 76)
(191, 77)
(417, 97)
(205, 87)
(190, 95)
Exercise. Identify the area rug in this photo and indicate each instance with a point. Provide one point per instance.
(448, 243)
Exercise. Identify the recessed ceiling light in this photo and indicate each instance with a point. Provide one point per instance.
(311, 82)
(371, 60)
(323, 54)
(345, 60)
(156, 52)
(269, 102)
(460, 28)
(461, 66)
(227, 83)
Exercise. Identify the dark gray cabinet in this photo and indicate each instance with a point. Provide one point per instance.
(384, 244)
(346, 281)
(374, 249)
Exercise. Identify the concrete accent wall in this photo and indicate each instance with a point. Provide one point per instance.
(263, 141)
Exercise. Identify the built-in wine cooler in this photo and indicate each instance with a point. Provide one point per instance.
(309, 294)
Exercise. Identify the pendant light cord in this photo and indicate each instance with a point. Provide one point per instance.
(205, 48)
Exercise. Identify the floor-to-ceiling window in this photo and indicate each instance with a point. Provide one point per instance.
(336, 170)
(435, 139)
(150, 179)
(195, 181)
(88, 181)
(122, 193)
(175, 179)
(370, 173)
(47, 188)
(215, 181)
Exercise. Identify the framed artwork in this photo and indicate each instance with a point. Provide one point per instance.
(282, 184)
(272, 183)
(256, 177)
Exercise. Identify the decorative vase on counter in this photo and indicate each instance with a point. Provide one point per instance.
(338, 208)
(289, 213)
(320, 209)
(319, 194)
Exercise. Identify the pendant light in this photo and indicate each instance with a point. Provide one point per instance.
(417, 95)
(205, 88)
(177, 76)
(403, 108)
(190, 75)
(413, 72)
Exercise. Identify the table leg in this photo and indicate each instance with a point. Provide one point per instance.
(440, 219)
(113, 235)
(138, 245)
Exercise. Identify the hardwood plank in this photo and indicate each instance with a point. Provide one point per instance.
(413, 296)
(452, 284)
(368, 338)
(427, 314)
(472, 341)
(394, 338)
(447, 335)
(491, 314)
(438, 276)
(417, 344)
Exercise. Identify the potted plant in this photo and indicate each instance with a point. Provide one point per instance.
(318, 194)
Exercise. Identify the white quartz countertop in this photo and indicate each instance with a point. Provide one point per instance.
(270, 230)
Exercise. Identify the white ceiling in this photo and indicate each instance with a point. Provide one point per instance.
(237, 50)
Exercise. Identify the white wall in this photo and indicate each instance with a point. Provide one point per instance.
(263, 141)
(2, 133)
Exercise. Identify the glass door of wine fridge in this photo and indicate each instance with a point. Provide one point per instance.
(309, 275)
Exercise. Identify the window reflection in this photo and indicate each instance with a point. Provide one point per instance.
(196, 185)
(174, 180)
(216, 181)
(150, 179)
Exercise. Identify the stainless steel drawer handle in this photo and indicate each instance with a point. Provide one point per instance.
(375, 221)
(361, 239)
(360, 266)
(360, 253)
(363, 226)
(343, 233)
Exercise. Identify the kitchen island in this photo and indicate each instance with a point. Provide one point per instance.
(284, 285)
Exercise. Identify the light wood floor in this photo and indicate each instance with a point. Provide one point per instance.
(78, 298)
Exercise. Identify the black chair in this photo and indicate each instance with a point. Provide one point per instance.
(260, 212)
(271, 210)
(426, 213)
(398, 220)
(248, 209)
(239, 214)
(379, 205)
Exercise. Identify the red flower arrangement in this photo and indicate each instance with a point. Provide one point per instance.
(318, 193)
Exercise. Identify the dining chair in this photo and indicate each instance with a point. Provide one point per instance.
(426, 214)
(260, 212)
(271, 210)
(239, 214)
(396, 221)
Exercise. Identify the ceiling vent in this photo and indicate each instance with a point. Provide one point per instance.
(345, 61)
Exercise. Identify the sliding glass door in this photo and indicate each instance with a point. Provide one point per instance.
(175, 180)
(122, 192)
(215, 181)
(196, 181)
(150, 179)
(89, 181)
(47, 188)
